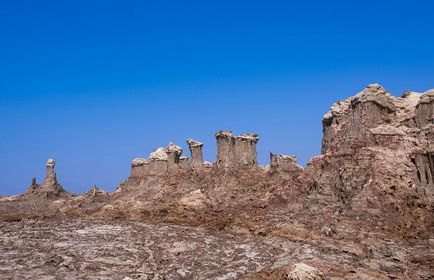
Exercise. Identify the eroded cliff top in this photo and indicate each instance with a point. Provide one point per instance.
(194, 143)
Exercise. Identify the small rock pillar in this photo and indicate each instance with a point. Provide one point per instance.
(196, 153)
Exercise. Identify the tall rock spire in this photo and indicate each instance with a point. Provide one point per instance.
(50, 177)
(196, 153)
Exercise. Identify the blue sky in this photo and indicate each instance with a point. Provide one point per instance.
(94, 84)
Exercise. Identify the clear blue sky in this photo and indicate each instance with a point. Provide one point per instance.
(94, 84)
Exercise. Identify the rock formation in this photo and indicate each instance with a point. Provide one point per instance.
(424, 110)
(425, 172)
(236, 151)
(362, 209)
(173, 154)
(196, 153)
(351, 119)
(284, 163)
(377, 158)
(50, 177)
(50, 187)
(159, 162)
(232, 152)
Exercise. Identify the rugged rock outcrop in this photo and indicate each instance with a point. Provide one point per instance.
(369, 196)
(50, 187)
(50, 178)
(284, 163)
(376, 159)
(173, 154)
(425, 110)
(236, 151)
(346, 126)
(159, 162)
(196, 153)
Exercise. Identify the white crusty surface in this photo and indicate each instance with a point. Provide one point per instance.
(224, 133)
(249, 137)
(194, 199)
(159, 154)
(174, 148)
(410, 98)
(139, 161)
(286, 157)
(302, 271)
(51, 162)
(193, 143)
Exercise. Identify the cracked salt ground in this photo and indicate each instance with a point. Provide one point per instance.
(52, 249)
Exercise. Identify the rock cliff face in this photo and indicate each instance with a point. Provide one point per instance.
(377, 158)
(424, 110)
(347, 125)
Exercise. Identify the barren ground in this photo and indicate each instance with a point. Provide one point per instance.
(49, 249)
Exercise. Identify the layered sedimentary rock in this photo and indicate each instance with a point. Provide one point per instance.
(196, 153)
(360, 210)
(225, 148)
(236, 151)
(159, 162)
(425, 110)
(284, 163)
(245, 150)
(141, 167)
(233, 152)
(346, 126)
(425, 172)
(377, 157)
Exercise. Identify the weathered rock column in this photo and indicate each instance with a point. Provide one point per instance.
(245, 150)
(50, 177)
(158, 162)
(225, 149)
(173, 154)
(237, 151)
(196, 153)
(425, 110)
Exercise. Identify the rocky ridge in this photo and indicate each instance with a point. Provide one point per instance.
(370, 194)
